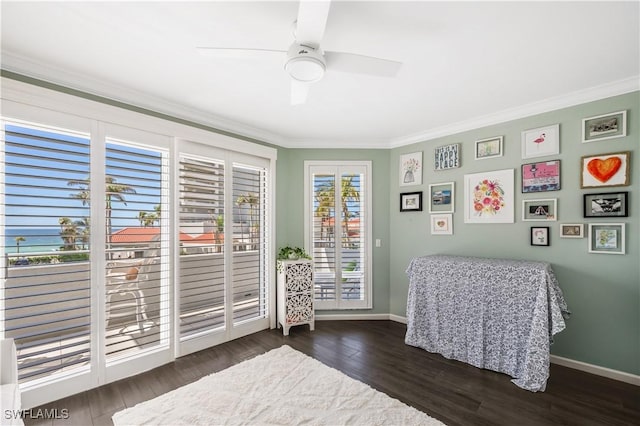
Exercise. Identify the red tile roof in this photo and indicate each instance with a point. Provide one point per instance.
(140, 234)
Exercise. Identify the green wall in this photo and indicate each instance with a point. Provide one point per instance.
(290, 209)
(602, 291)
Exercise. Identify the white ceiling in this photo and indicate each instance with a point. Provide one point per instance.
(465, 64)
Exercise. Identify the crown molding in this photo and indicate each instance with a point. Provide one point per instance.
(79, 82)
(158, 106)
(603, 91)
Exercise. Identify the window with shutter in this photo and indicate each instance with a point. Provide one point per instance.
(338, 232)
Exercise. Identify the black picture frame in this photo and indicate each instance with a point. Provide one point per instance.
(540, 236)
(606, 204)
(411, 201)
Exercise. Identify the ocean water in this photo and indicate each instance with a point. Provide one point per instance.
(36, 240)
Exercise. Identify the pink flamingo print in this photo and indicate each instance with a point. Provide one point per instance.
(539, 140)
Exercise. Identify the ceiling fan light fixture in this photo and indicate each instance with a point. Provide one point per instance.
(305, 63)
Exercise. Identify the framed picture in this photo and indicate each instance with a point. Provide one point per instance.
(541, 142)
(541, 177)
(447, 157)
(571, 230)
(488, 148)
(540, 236)
(411, 201)
(540, 209)
(602, 127)
(603, 170)
(611, 204)
(411, 169)
(606, 238)
(489, 197)
(442, 224)
(441, 197)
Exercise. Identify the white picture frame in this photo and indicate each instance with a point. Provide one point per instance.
(488, 148)
(541, 141)
(411, 169)
(607, 238)
(571, 230)
(442, 197)
(540, 210)
(442, 224)
(489, 197)
(603, 127)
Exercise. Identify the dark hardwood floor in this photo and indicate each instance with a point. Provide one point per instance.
(374, 353)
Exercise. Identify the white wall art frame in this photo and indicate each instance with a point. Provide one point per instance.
(442, 224)
(489, 197)
(541, 142)
(411, 169)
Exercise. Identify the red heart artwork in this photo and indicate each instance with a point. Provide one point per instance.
(441, 223)
(603, 170)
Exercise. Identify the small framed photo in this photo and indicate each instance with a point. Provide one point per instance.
(411, 202)
(540, 236)
(606, 238)
(539, 209)
(489, 148)
(447, 157)
(441, 196)
(571, 230)
(604, 170)
(610, 204)
(442, 224)
(602, 127)
(541, 177)
(411, 169)
(541, 142)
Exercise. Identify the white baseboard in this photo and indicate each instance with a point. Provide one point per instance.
(565, 362)
(597, 370)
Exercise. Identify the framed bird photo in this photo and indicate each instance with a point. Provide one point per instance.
(541, 142)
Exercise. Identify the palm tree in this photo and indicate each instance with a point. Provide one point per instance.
(253, 200)
(325, 201)
(19, 239)
(85, 225)
(114, 192)
(68, 233)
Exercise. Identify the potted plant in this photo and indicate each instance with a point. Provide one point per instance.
(292, 253)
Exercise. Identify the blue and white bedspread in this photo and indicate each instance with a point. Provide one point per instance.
(491, 313)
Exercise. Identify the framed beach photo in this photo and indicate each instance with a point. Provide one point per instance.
(441, 197)
(411, 202)
(442, 224)
(609, 204)
(571, 230)
(541, 142)
(411, 169)
(489, 197)
(541, 177)
(540, 236)
(598, 171)
(540, 209)
(603, 127)
(446, 157)
(488, 148)
(606, 238)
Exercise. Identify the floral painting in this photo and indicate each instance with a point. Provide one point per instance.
(489, 197)
(411, 169)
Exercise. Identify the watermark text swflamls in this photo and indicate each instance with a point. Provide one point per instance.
(37, 413)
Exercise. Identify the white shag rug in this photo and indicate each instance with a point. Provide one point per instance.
(280, 387)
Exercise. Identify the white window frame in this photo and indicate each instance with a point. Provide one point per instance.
(338, 168)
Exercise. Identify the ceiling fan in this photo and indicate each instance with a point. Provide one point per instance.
(305, 61)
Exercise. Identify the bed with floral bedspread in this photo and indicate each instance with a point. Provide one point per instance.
(496, 314)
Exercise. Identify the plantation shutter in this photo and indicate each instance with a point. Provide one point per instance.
(202, 246)
(137, 239)
(338, 233)
(46, 268)
(249, 262)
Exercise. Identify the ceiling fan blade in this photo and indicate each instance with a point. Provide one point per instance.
(238, 52)
(361, 64)
(312, 20)
(299, 92)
